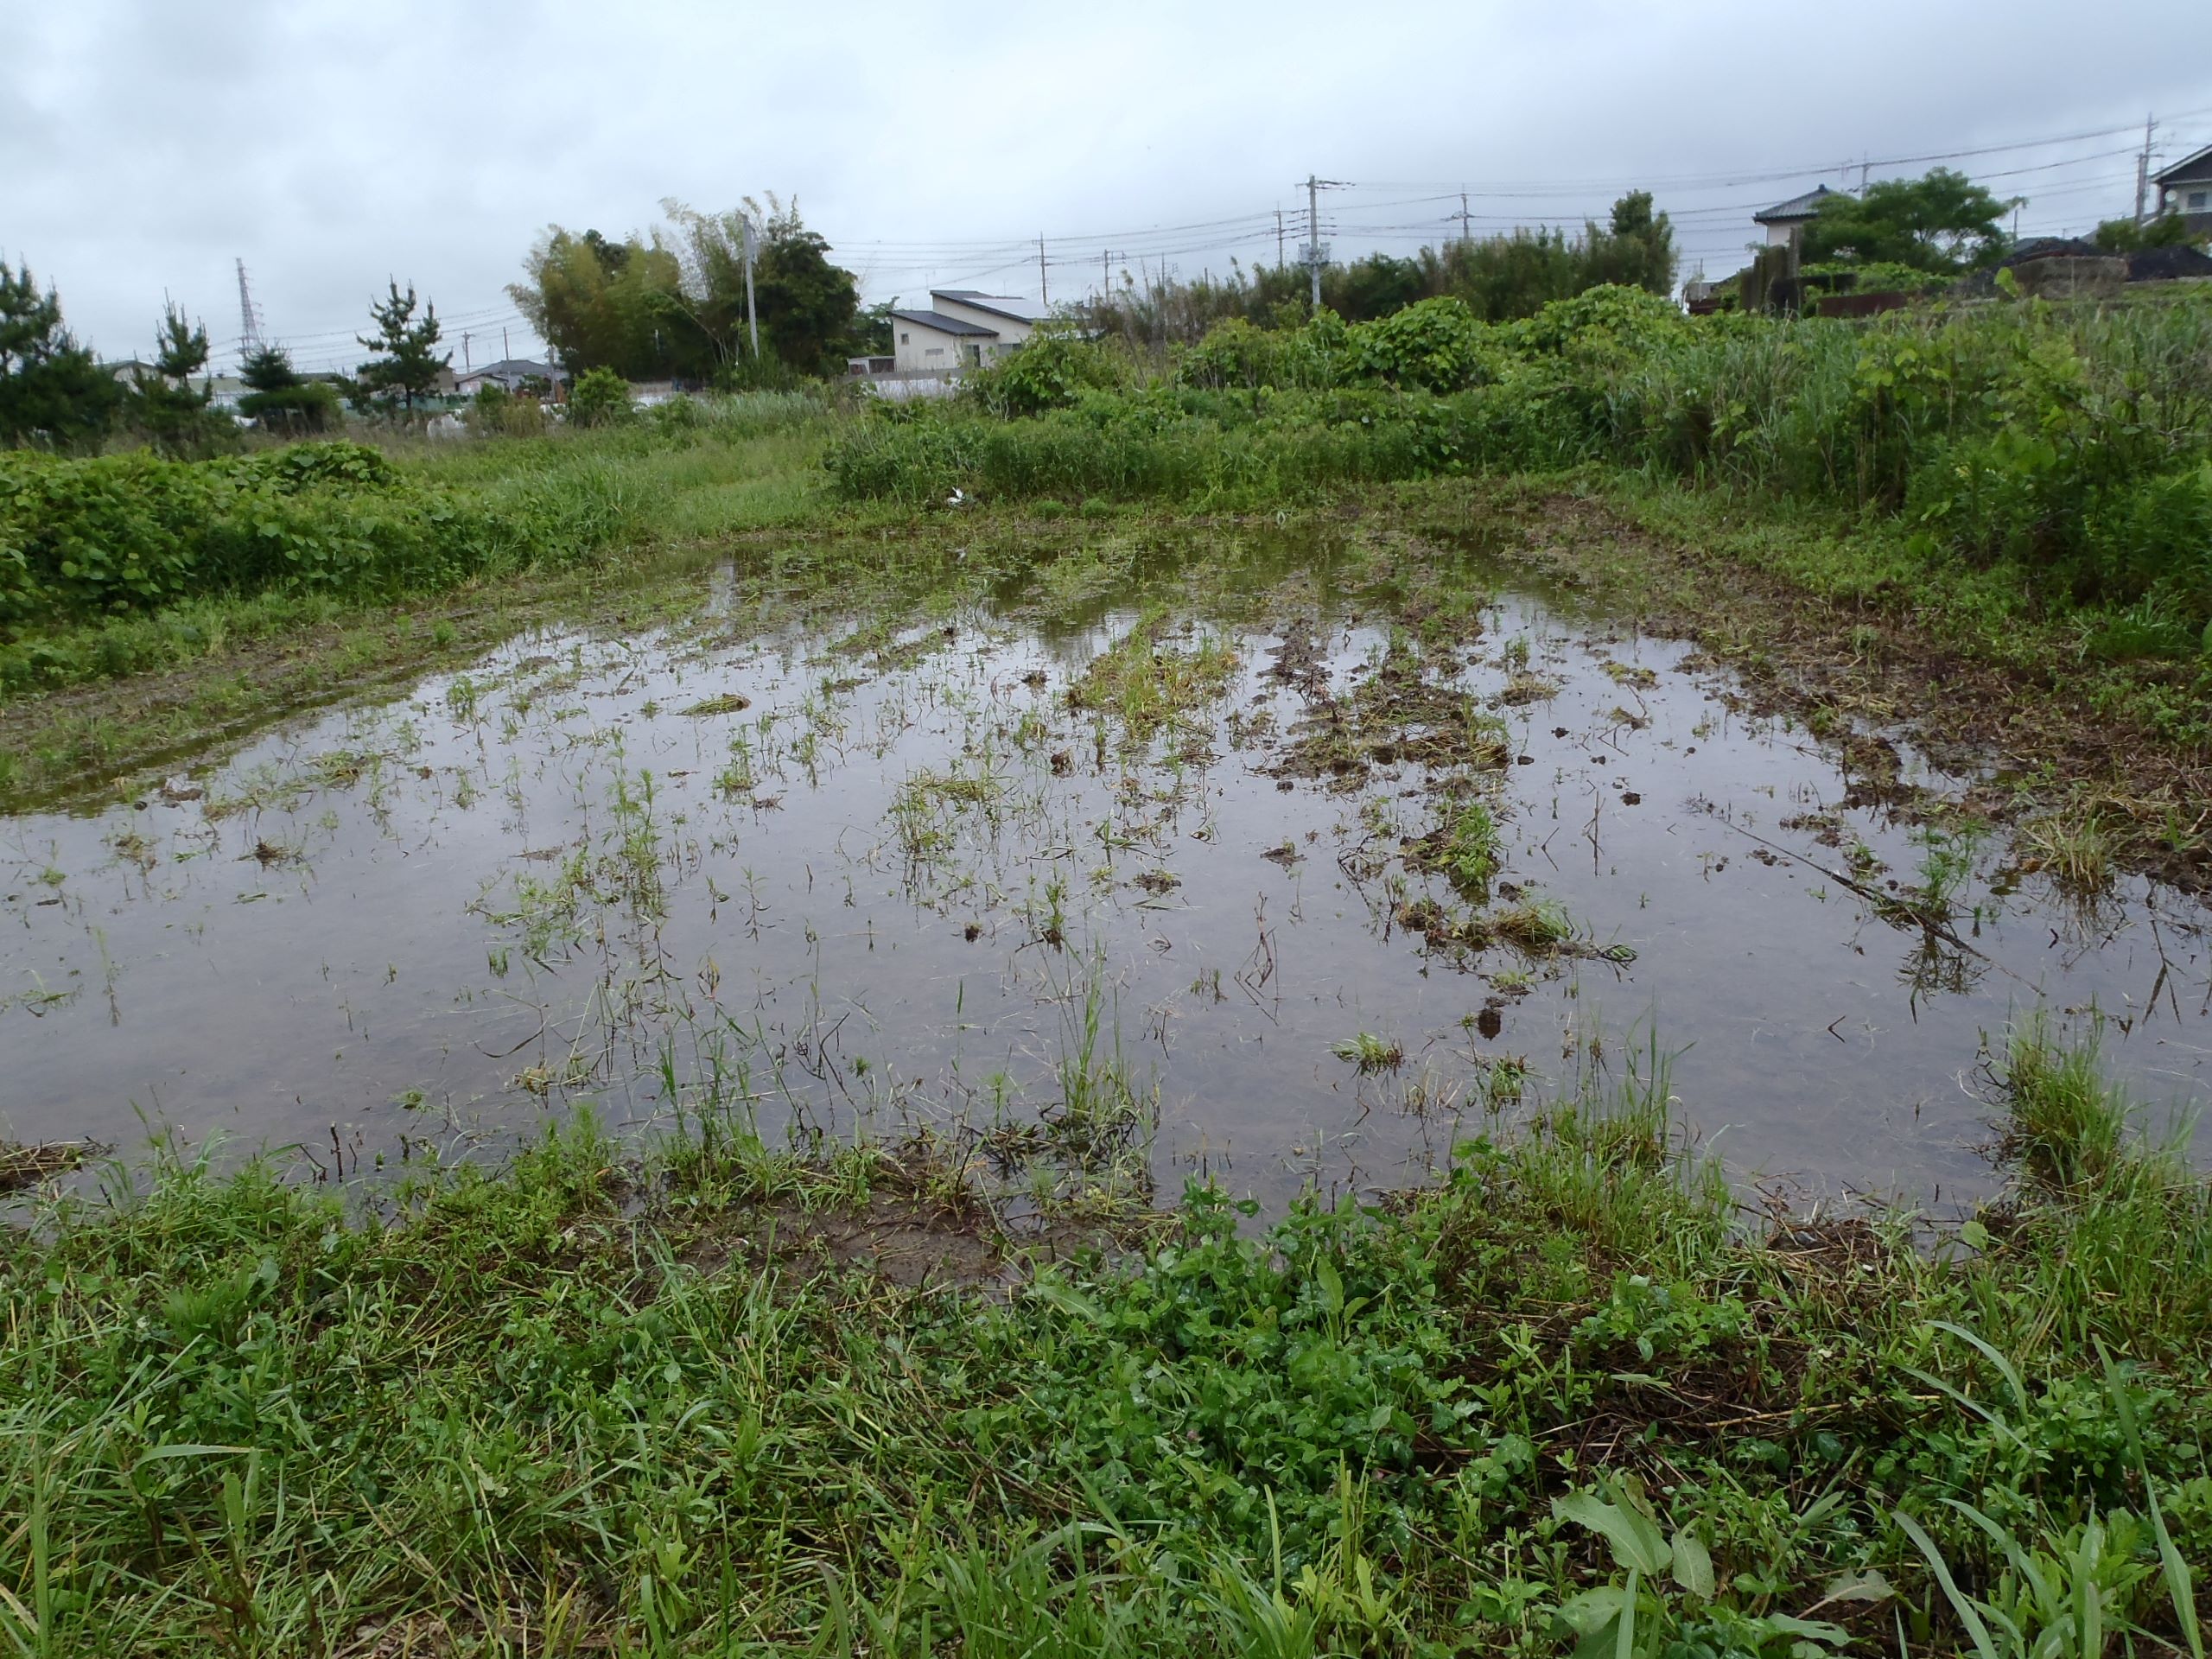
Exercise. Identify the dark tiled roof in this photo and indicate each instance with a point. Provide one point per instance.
(1796, 207)
(944, 324)
(517, 368)
(2190, 169)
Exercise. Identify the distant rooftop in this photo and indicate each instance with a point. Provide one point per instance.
(945, 324)
(1004, 305)
(1796, 210)
(2190, 169)
(517, 368)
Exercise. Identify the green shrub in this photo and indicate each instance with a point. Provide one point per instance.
(600, 397)
(1051, 370)
(1436, 345)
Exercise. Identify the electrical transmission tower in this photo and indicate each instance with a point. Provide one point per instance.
(249, 340)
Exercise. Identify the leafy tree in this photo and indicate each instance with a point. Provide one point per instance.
(1637, 249)
(673, 306)
(710, 251)
(51, 391)
(165, 405)
(616, 305)
(1375, 287)
(279, 399)
(809, 308)
(2166, 231)
(409, 368)
(614, 256)
(1940, 222)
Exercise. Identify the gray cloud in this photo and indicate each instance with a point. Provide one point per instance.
(144, 146)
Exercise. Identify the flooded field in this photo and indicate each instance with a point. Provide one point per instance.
(1273, 863)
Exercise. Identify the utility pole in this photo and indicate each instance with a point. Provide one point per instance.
(1279, 259)
(1465, 235)
(1313, 235)
(752, 317)
(504, 350)
(1044, 290)
(2142, 172)
(465, 363)
(1314, 251)
(1105, 275)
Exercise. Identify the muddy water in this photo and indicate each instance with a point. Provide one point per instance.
(910, 881)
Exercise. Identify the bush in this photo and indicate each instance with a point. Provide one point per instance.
(600, 397)
(495, 412)
(1436, 345)
(1051, 370)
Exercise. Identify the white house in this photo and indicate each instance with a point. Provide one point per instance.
(2186, 188)
(962, 327)
(1786, 220)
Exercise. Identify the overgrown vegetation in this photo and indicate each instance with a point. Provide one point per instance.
(116, 563)
(1566, 1396)
(2070, 445)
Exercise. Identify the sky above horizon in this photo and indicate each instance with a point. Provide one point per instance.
(144, 148)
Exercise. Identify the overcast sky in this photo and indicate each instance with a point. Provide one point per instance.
(143, 147)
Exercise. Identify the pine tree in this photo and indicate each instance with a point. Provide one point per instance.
(51, 391)
(409, 368)
(165, 405)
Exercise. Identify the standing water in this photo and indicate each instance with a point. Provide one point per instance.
(1275, 886)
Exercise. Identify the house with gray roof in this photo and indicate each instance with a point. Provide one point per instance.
(1786, 220)
(964, 327)
(510, 374)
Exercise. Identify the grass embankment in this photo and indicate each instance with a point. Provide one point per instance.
(591, 1405)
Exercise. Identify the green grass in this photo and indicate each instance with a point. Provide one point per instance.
(438, 517)
(589, 1404)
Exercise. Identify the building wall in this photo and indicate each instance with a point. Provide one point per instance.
(2192, 199)
(920, 348)
(1779, 235)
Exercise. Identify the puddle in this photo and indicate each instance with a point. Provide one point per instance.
(956, 874)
